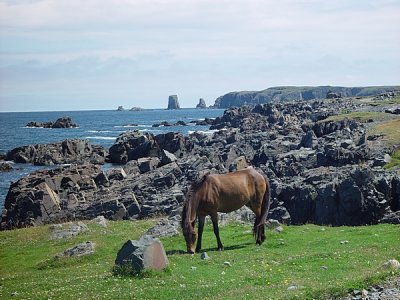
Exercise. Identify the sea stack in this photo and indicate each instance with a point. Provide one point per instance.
(173, 102)
(202, 104)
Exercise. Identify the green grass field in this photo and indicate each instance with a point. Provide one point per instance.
(302, 262)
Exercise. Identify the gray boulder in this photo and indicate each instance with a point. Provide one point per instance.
(68, 230)
(142, 254)
(132, 145)
(82, 249)
(163, 228)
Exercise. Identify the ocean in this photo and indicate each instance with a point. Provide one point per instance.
(100, 127)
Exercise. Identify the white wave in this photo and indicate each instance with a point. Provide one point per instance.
(207, 132)
(99, 131)
(101, 137)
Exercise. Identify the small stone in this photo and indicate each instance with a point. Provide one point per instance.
(194, 268)
(324, 268)
(204, 255)
(272, 224)
(391, 264)
(356, 292)
(364, 293)
(279, 229)
(86, 248)
(227, 263)
(101, 221)
(344, 242)
(292, 288)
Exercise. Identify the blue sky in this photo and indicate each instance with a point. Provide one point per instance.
(72, 55)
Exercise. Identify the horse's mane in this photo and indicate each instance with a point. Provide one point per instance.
(196, 184)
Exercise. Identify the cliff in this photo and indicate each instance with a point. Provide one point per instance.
(290, 93)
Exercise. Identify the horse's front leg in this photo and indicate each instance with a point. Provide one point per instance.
(214, 219)
(200, 232)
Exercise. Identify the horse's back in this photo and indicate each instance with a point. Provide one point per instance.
(231, 191)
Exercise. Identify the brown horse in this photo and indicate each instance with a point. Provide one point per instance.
(225, 193)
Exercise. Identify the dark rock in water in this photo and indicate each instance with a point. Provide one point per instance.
(164, 123)
(143, 254)
(120, 108)
(64, 122)
(5, 167)
(173, 102)
(65, 152)
(135, 108)
(201, 104)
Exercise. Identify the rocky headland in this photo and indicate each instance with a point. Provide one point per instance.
(322, 169)
(295, 93)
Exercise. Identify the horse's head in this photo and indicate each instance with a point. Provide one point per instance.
(190, 237)
(188, 230)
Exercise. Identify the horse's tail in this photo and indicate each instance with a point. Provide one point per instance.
(259, 226)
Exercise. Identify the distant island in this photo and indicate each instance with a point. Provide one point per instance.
(291, 93)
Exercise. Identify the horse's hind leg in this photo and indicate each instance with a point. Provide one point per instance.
(200, 232)
(214, 219)
(259, 230)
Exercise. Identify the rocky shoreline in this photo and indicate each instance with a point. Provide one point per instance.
(321, 171)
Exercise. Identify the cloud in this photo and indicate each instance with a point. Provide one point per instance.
(193, 47)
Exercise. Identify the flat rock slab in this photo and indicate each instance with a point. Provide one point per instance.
(86, 248)
(163, 228)
(145, 253)
(62, 231)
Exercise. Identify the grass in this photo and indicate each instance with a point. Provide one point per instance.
(394, 100)
(308, 260)
(385, 125)
(362, 116)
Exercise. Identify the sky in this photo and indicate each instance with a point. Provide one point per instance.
(96, 54)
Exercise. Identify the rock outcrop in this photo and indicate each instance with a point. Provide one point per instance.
(201, 104)
(75, 192)
(173, 102)
(320, 171)
(64, 122)
(65, 152)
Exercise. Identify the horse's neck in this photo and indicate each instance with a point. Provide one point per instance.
(191, 212)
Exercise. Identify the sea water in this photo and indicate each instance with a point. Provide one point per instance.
(100, 127)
